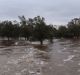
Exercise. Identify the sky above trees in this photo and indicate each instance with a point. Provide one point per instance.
(55, 11)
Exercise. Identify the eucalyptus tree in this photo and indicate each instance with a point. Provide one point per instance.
(26, 27)
(40, 29)
(51, 32)
(16, 31)
(7, 29)
(74, 28)
(62, 32)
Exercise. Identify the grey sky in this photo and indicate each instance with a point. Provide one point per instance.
(55, 11)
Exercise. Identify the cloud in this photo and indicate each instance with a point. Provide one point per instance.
(55, 11)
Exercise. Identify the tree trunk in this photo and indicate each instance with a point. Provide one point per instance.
(51, 40)
(25, 38)
(8, 38)
(19, 38)
(41, 42)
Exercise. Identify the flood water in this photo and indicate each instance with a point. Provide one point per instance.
(60, 58)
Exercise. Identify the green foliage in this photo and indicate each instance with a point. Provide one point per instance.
(74, 31)
(40, 29)
(36, 28)
(71, 31)
(16, 31)
(26, 27)
(25, 32)
(7, 29)
(51, 31)
(62, 31)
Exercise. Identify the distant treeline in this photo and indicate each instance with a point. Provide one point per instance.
(36, 29)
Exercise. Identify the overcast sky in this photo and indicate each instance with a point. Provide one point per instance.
(55, 11)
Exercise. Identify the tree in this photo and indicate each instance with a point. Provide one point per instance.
(62, 32)
(7, 29)
(25, 27)
(74, 28)
(25, 32)
(40, 30)
(51, 32)
(22, 20)
(16, 31)
(1, 26)
(74, 31)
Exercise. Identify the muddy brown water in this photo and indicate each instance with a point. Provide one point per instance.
(60, 58)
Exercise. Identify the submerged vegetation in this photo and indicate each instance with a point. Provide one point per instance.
(36, 29)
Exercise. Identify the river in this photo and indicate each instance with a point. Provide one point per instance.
(60, 58)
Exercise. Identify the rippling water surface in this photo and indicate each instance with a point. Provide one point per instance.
(60, 58)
